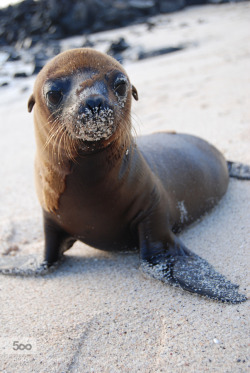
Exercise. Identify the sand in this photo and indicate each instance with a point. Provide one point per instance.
(97, 313)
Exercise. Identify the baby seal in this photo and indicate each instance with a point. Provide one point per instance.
(96, 184)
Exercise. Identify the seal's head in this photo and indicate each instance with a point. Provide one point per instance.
(84, 97)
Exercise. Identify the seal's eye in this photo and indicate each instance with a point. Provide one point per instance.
(120, 86)
(54, 97)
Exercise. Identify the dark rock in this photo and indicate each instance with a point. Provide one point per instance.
(87, 44)
(196, 2)
(142, 4)
(150, 25)
(76, 20)
(167, 6)
(20, 75)
(159, 52)
(14, 56)
(4, 84)
(38, 64)
(119, 57)
(118, 46)
(27, 21)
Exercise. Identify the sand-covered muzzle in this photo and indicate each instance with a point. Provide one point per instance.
(91, 111)
(95, 124)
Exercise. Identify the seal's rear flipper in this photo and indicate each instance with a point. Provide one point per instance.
(238, 170)
(193, 274)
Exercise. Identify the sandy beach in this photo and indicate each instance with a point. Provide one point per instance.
(97, 313)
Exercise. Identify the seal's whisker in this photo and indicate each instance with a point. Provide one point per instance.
(52, 140)
(135, 121)
(126, 127)
(52, 133)
(73, 147)
(68, 147)
(60, 148)
(56, 144)
(53, 117)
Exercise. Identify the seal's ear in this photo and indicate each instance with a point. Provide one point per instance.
(134, 93)
(31, 103)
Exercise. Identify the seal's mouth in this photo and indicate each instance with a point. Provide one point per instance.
(95, 124)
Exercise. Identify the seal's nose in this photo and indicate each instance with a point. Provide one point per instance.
(96, 104)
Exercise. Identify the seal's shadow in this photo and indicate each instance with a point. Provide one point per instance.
(98, 263)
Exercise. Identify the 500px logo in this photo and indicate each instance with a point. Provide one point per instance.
(21, 346)
(18, 345)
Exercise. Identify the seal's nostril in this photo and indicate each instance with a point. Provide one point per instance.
(96, 103)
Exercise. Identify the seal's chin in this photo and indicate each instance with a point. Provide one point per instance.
(94, 125)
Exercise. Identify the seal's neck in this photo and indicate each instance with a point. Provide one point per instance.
(53, 165)
(97, 165)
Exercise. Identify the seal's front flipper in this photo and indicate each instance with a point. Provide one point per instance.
(26, 265)
(193, 274)
(57, 241)
(196, 275)
(238, 170)
(179, 267)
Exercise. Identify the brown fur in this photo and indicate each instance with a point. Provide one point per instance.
(97, 185)
(56, 149)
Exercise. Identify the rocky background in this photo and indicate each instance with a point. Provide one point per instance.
(28, 22)
(30, 30)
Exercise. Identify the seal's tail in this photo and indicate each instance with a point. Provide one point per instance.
(238, 170)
